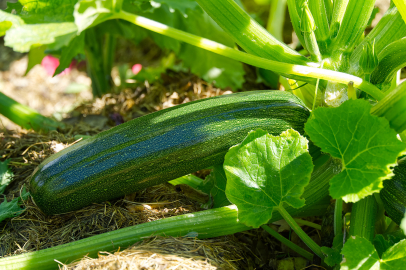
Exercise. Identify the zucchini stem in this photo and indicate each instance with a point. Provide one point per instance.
(363, 218)
(303, 71)
(305, 238)
(305, 254)
(338, 217)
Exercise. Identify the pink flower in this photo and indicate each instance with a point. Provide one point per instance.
(136, 68)
(50, 64)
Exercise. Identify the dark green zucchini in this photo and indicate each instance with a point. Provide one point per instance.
(393, 194)
(159, 147)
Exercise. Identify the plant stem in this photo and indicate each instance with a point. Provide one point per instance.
(284, 68)
(247, 33)
(307, 223)
(363, 218)
(305, 238)
(393, 108)
(338, 217)
(305, 254)
(276, 18)
(95, 63)
(109, 49)
(26, 117)
(380, 224)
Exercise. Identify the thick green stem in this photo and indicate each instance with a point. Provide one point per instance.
(247, 33)
(288, 243)
(393, 108)
(339, 9)
(312, 46)
(295, 14)
(380, 224)
(109, 50)
(101, 82)
(285, 68)
(319, 12)
(352, 26)
(305, 238)
(363, 218)
(276, 18)
(338, 217)
(25, 116)
(307, 223)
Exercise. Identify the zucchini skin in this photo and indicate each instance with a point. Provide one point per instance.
(159, 147)
(393, 194)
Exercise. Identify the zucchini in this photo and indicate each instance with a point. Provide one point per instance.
(393, 194)
(159, 147)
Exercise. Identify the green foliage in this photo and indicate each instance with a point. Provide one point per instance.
(359, 253)
(265, 171)
(365, 144)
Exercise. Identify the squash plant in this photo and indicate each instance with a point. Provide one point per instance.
(349, 82)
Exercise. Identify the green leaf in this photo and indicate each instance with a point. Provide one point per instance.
(6, 175)
(366, 145)
(264, 171)
(22, 38)
(381, 244)
(89, 13)
(8, 21)
(45, 11)
(75, 47)
(333, 255)
(359, 253)
(218, 191)
(12, 209)
(35, 57)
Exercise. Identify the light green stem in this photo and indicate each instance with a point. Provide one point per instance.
(305, 238)
(284, 68)
(276, 18)
(307, 223)
(288, 243)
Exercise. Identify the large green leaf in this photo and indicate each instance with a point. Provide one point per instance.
(366, 145)
(264, 171)
(359, 253)
(58, 34)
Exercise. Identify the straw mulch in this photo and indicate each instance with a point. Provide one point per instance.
(171, 253)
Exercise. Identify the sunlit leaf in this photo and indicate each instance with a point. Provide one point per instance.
(366, 145)
(265, 171)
